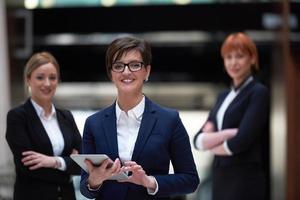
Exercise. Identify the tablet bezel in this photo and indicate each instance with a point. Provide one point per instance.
(96, 159)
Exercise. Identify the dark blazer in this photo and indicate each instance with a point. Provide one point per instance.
(25, 132)
(162, 138)
(249, 112)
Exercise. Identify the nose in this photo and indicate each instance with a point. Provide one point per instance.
(126, 70)
(47, 82)
(234, 61)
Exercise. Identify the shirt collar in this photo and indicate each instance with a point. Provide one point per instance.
(40, 111)
(137, 111)
(245, 82)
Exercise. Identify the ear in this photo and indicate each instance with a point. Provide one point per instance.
(148, 69)
(28, 82)
(253, 60)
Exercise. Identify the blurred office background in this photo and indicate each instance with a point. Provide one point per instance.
(187, 69)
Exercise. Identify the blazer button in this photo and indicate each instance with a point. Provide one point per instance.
(59, 193)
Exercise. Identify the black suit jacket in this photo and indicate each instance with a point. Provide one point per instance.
(249, 112)
(25, 132)
(247, 168)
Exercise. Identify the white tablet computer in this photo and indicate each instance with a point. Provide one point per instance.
(97, 159)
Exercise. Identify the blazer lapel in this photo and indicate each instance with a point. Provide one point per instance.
(63, 125)
(242, 92)
(239, 96)
(147, 124)
(110, 131)
(38, 128)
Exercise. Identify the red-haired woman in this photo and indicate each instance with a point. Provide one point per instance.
(237, 126)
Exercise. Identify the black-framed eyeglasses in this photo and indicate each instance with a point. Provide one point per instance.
(132, 66)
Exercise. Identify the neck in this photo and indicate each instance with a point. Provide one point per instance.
(238, 81)
(46, 105)
(127, 102)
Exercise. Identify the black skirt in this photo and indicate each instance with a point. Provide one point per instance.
(242, 182)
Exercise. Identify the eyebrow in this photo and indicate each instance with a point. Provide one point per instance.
(119, 61)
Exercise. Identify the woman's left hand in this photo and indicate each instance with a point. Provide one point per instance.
(35, 160)
(138, 176)
(208, 127)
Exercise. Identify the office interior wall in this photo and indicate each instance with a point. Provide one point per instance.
(4, 85)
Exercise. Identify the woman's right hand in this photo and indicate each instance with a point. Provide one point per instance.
(98, 174)
(35, 160)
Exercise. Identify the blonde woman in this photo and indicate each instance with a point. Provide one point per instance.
(42, 136)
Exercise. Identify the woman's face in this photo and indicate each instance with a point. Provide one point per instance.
(238, 65)
(43, 82)
(128, 82)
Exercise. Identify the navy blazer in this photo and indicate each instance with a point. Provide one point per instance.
(25, 131)
(162, 138)
(249, 112)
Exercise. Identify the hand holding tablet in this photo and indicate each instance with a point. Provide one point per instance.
(96, 159)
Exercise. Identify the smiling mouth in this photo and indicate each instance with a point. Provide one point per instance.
(234, 69)
(127, 80)
(46, 91)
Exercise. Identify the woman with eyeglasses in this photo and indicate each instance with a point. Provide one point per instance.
(140, 137)
(236, 130)
(42, 137)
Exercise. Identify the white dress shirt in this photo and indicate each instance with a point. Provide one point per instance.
(51, 126)
(221, 112)
(128, 125)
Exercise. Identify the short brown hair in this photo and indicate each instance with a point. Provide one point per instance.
(37, 60)
(122, 45)
(241, 41)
